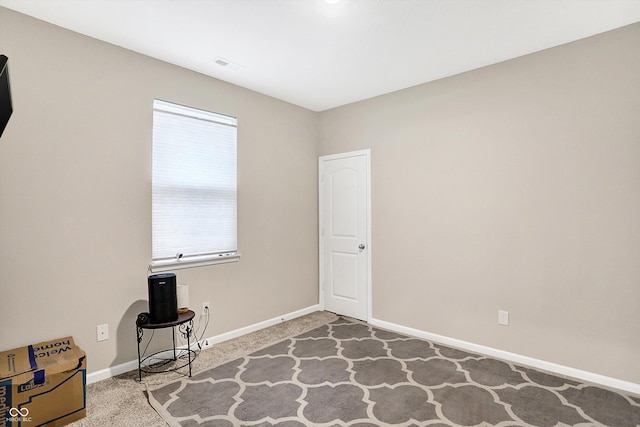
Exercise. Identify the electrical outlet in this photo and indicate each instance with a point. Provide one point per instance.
(503, 317)
(102, 332)
(206, 308)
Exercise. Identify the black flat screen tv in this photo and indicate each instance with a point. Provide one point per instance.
(5, 94)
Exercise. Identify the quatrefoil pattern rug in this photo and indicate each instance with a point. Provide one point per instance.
(347, 373)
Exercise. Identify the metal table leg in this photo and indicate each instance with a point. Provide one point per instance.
(189, 348)
(173, 335)
(139, 333)
(186, 329)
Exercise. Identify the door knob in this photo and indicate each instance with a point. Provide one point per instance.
(361, 247)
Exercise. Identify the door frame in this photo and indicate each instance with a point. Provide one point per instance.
(321, 213)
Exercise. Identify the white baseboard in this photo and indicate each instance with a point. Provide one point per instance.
(513, 357)
(208, 342)
(112, 371)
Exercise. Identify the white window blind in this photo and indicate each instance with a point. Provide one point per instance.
(194, 190)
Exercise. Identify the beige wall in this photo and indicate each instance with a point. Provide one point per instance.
(75, 195)
(513, 187)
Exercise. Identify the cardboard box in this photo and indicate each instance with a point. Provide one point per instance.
(43, 384)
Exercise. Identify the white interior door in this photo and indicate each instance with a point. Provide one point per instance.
(345, 255)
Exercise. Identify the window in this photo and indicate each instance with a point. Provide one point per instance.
(194, 187)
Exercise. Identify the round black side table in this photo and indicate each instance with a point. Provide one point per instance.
(184, 323)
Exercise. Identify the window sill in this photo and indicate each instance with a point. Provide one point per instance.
(157, 266)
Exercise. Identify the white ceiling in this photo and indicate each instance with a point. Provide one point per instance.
(320, 55)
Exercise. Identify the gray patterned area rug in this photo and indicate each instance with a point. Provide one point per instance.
(347, 373)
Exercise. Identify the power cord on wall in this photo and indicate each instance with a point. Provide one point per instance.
(202, 324)
(205, 313)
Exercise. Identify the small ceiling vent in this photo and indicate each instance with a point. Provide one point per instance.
(228, 64)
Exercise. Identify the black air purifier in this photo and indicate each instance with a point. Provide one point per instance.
(163, 301)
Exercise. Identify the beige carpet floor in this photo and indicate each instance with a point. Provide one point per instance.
(122, 400)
